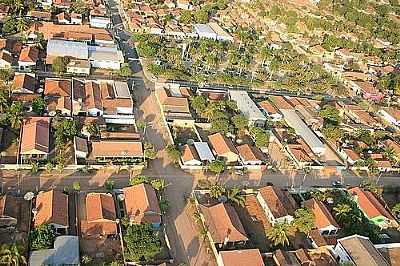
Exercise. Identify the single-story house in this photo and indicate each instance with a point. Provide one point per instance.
(250, 155)
(35, 142)
(189, 156)
(28, 58)
(24, 83)
(324, 220)
(240, 258)
(278, 205)
(51, 207)
(141, 205)
(223, 224)
(223, 148)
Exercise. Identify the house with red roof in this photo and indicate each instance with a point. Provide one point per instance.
(372, 208)
(324, 220)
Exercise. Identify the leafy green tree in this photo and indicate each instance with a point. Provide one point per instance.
(330, 115)
(4, 100)
(217, 190)
(109, 185)
(158, 184)
(141, 243)
(199, 104)
(149, 151)
(125, 70)
(93, 129)
(174, 153)
(236, 196)
(76, 186)
(80, 7)
(9, 25)
(12, 254)
(260, 137)
(140, 179)
(186, 17)
(217, 166)
(201, 16)
(6, 74)
(304, 220)
(221, 125)
(22, 24)
(34, 167)
(49, 167)
(39, 105)
(279, 234)
(342, 211)
(240, 121)
(396, 209)
(60, 64)
(42, 237)
(164, 206)
(333, 133)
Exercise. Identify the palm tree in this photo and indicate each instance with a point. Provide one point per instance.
(304, 220)
(217, 190)
(342, 211)
(12, 255)
(22, 25)
(235, 195)
(15, 114)
(278, 234)
(158, 184)
(4, 100)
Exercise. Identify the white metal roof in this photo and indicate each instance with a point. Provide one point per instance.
(204, 151)
(67, 48)
(203, 29)
(102, 53)
(246, 105)
(121, 89)
(65, 252)
(293, 120)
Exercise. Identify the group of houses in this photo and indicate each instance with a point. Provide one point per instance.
(143, 17)
(226, 230)
(95, 216)
(174, 101)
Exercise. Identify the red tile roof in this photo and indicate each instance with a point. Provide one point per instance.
(35, 136)
(244, 257)
(279, 202)
(369, 204)
(223, 222)
(221, 144)
(323, 217)
(52, 207)
(141, 204)
(29, 54)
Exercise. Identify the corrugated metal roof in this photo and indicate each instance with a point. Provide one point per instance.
(121, 89)
(203, 29)
(293, 119)
(204, 151)
(67, 48)
(246, 105)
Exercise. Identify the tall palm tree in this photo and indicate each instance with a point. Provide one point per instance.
(4, 100)
(235, 195)
(22, 25)
(342, 211)
(12, 255)
(279, 234)
(15, 114)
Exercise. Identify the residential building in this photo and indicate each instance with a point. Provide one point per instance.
(81, 147)
(62, 48)
(99, 19)
(58, 94)
(9, 213)
(372, 208)
(171, 99)
(324, 220)
(204, 151)
(78, 66)
(285, 258)
(35, 143)
(223, 148)
(271, 111)
(248, 108)
(240, 258)
(350, 155)
(250, 155)
(222, 35)
(6, 59)
(76, 18)
(106, 150)
(367, 90)
(28, 58)
(223, 224)
(141, 205)
(278, 205)
(190, 156)
(65, 252)
(51, 207)
(292, 118)
(184, 4)
(105, 57)
(24, 83)
(359, 251)
(391, 115)
(100, 221)
(204, 31)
